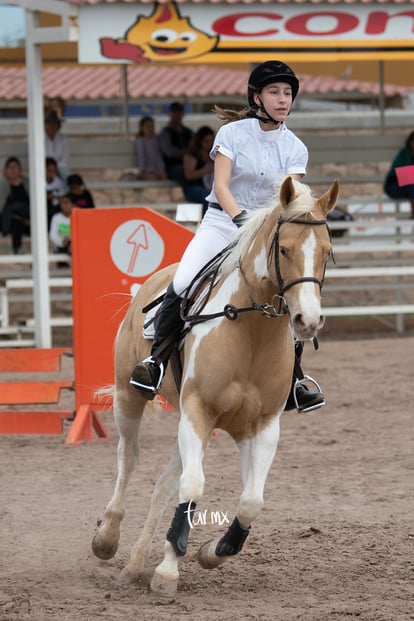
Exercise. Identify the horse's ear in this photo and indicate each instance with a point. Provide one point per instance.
(287, 192)
(328, 200)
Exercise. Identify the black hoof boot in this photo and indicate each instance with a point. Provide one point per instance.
(146, 377)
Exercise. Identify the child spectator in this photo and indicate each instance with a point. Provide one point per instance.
(59, 232)
(81, 197)
(149, 158)
(55, 189)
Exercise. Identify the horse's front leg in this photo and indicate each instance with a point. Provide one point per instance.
(106, 540)
(256, 457)
(192, 445)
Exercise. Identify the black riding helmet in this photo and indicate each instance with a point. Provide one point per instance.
(267, 72)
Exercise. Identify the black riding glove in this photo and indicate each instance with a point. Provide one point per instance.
(240, 219)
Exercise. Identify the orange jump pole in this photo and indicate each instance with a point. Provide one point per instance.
(31, 360)
(29, 393)
(34, 422)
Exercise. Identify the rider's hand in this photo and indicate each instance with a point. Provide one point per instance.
(240, 219)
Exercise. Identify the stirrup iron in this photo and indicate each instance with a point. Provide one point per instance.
(307, 379)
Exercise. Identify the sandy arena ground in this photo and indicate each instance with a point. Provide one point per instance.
(334, 541)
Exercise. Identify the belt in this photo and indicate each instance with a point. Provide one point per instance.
(215, 206)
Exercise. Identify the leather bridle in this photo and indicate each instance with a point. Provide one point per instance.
(278, 305)
(275, 250)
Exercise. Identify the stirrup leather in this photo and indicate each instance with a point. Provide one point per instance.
(303, 382)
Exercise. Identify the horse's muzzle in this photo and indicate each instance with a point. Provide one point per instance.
(307, 327)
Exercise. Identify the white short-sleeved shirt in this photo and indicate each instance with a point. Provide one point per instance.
(58, 148)
(57, 188)
(59, 229)
(260, 160)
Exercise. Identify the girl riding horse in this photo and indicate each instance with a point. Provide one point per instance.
(251, 157)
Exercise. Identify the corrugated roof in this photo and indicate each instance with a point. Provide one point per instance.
(81, 83)
(80, 2)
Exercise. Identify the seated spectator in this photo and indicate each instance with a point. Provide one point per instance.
(59, 232)
(174, 141)
(149, 158)
(56, 143)
(80, 195)
(14, 203)
(198, 167)
(55, 189)
(404, 157)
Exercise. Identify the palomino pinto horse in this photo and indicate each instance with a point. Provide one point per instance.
(236, 376)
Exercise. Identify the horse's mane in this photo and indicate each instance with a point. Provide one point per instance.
(302, 204)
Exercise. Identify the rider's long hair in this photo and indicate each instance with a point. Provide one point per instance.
(227, 114)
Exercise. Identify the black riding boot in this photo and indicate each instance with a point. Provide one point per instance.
(300, 397)
(147, 374)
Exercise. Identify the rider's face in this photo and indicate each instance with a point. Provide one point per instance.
(276, 98)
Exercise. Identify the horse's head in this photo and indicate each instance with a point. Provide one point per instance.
(300, 248)
(280, 254)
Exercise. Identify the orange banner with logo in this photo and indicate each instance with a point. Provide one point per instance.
(113, 252)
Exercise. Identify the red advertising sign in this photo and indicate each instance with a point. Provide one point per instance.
(170, 34)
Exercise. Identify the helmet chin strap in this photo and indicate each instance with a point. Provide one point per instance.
(267, 118)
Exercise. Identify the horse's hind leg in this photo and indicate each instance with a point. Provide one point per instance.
(165, 489)
(106, 540)
(256, 457)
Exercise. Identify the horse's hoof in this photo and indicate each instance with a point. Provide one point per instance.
(133, 575)
(165, 587)
(207, 556)
(125, 579)
(103, 549)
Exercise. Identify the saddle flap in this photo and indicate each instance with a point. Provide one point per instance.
(148, 328)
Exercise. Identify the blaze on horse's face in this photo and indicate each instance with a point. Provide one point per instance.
(304, 246)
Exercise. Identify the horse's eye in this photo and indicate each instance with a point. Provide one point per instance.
(284, 252)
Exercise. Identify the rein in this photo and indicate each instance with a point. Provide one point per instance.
(278, 305)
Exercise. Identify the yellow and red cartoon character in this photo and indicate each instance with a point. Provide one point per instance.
(163, 37)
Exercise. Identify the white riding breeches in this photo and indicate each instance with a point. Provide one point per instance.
(215, 232)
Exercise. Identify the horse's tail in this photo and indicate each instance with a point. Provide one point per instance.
(105, 393)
